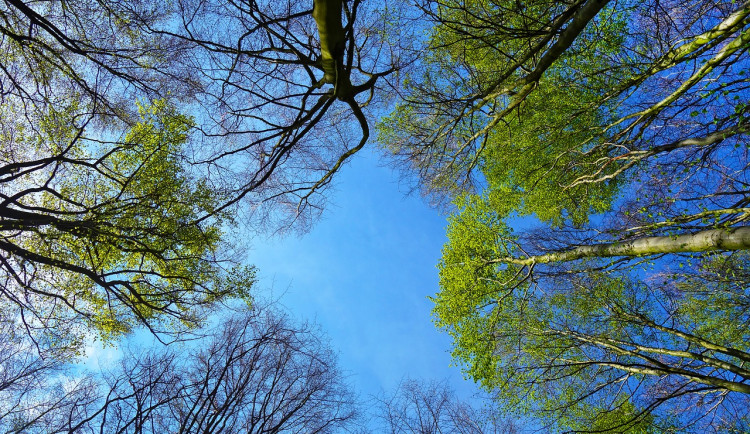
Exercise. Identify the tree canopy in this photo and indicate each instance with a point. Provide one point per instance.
(106, 234)
(139, 138)
(595, 153)
(621, 128)
(255, 371)
(136, 136)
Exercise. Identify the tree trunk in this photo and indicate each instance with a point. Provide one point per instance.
(327, 15)
(708, 240)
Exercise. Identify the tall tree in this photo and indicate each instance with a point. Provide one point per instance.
(622, 128)
(134, 134)
(591, 346)
(288, 92)
(105, 233)
(258, 88)
(572, 99)
(256, 371)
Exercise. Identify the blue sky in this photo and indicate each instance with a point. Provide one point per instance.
(364, 272)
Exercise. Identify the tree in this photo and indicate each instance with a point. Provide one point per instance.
(288, 91)
(136, 134)
(478, 73)
(622, 128)
(571, 98)
(106, 238)
(588, 347)
(36, 386)
(432, 407)
(256, 371)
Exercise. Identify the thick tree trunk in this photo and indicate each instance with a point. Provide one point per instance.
(327, 15)
(713, 239)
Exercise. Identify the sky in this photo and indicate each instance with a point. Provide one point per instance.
(364, 273)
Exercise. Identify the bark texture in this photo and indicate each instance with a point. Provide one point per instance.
(713, 239)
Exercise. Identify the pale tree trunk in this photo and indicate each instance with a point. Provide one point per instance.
(708, 240)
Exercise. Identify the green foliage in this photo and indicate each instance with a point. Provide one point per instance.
(594, 350)
(149, 218)
(121, 233)
(615, 416)
(470, 285)
(534, 160)
(714, 291)
(455, 118)
(551, 139)
(613, 126)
